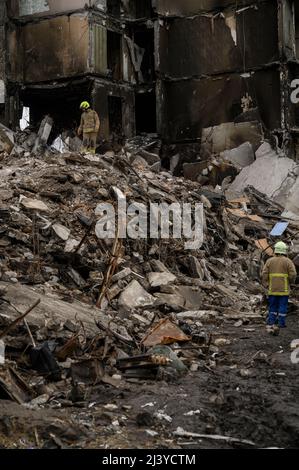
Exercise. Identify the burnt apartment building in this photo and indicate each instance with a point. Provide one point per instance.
(173, 67)
(227, 61)
(62, 52)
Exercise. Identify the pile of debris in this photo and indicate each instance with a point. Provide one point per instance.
(104, 311)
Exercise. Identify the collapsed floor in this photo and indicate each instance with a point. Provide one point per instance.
(176, 353)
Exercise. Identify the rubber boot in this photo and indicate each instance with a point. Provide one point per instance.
(276, 330)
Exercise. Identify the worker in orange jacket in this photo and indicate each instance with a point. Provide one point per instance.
(278, 274)
(89, 127)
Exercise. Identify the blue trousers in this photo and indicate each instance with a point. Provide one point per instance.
(278, 309)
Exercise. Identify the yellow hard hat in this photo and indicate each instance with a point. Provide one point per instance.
(84, 105)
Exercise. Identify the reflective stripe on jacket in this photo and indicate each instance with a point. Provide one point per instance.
(285, 286)
(278, 273)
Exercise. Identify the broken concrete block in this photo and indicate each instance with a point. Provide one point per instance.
(292, 202)
(110, 154)
(10, 276)
(12, 385)
(197, 314)
(34, 204)
(77, 178)
(140, 162)
(135, 296)
(141, 319)
(228, 292)
(6, 139)
(121, 275)
(207, 204)
(150, 158)
(6, 194)
(103, 193)
(174, 301)
(265, 150)
(156, 167)
(76, 277)
(70, 245)
(61, 231)
(192, 296)
(157, 265)
(193, 170)
(120, 329)
(174, 161)
(183, 297)
(74, 144)
(267, 175)
(196, 270)
(221, 342)
(241, 156)
(156, 194)
(29, 141)
(17, 151)
(43, 133)
(160, 279)
(230, 135)
(3, 290)
(38, 401)
(169, 289)
(213, 173)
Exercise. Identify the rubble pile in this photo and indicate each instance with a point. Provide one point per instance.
(49, 233)
(105, 312)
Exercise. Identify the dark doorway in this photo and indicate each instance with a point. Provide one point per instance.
(146, 40)
(114, 55)
(61, 103)
(138, 9)
(143, 8)
(145, 112)
(113, 7)
(115, 118)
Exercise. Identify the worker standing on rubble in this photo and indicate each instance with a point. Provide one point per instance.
(278, 273)
(89, 127)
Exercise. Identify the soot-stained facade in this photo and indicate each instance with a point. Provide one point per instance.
(155, 66)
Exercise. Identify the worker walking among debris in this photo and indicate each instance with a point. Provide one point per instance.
(89, 127)
(278, 274)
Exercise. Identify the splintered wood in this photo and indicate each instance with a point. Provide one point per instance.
(116, 250)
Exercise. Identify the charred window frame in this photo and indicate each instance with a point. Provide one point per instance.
(143, 8)
(138, 9)
(145, 112)
(145, 39)
(115, 113)
(114, 55)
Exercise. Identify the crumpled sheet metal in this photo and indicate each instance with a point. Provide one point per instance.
(165, 332)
